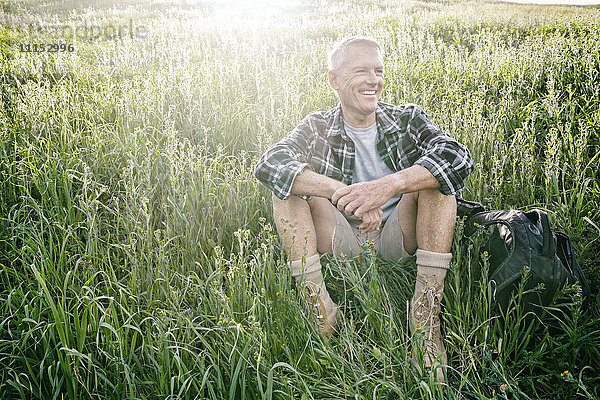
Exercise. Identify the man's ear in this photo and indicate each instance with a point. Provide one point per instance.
(333, 79)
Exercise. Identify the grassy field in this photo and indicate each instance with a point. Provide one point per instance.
(138, 257)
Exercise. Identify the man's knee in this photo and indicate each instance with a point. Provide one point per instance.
(435, 200)
(297, 203)
(436, 221)
(292, 203)
(433, 194)
(319, 203)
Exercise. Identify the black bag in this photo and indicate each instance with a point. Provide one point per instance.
(520, 241)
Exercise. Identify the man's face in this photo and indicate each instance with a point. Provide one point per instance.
(358, 82)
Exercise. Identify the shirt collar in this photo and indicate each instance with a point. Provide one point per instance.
(337, 123)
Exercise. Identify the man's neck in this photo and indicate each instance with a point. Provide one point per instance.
(359, 122)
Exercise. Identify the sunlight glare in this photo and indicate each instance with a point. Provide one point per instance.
(255, 13)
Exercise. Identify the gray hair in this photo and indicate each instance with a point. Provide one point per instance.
(337, 54)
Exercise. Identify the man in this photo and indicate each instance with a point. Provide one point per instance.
(344, 173)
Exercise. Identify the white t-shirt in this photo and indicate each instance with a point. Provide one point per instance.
(368, 165)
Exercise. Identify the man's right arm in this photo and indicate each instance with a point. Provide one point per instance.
(287, 159)
(286, 167)
(310, 183)
(285, 170)
(303, 181)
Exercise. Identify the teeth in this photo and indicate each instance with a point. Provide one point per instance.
(367, 92)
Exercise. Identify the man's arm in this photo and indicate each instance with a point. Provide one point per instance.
(310, 183)
(281, 164)
(442, 164)
(361, 197)
(413, 179)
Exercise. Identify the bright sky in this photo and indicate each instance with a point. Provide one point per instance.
(564, 2)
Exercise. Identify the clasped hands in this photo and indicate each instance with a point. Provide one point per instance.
(363, 200)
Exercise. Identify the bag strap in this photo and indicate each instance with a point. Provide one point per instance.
(566, 254)
(549, 244)
(486, 218)
(466, 208)
(502, 217)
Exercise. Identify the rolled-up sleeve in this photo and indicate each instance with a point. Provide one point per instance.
(281, 163)
(448, 160)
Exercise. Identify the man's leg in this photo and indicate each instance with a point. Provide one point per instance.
(434, 228)
(427, 219)
(306, 228)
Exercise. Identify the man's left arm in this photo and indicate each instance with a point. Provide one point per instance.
(361, 197)
(443, 164)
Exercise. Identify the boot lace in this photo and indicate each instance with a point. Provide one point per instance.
(426, 310)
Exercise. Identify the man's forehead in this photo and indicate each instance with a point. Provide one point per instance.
(359, 53)
(363, 48)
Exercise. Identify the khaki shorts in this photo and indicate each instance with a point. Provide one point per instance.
(388, 241)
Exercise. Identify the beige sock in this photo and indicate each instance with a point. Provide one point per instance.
(432, 263)
(431, 270)
(307, 272)
(306, 266)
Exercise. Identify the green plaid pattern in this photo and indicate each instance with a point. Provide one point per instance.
(405, 137)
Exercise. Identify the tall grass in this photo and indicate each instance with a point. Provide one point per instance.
(137, 252)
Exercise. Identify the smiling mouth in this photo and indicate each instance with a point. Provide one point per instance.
(367, 92)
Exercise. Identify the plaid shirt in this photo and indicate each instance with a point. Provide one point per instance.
(405, 137)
